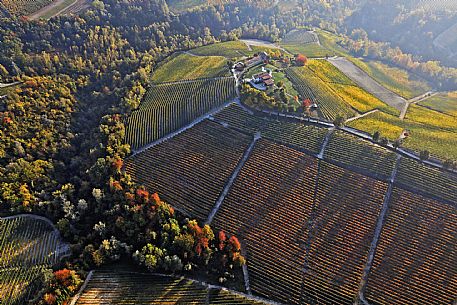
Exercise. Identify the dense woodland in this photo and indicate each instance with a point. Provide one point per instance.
(62, 128)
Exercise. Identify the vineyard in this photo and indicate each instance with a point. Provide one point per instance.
(346, 210)
(355, 152)
(229, 49)
(24, 7)
(328, 73)
(306, 225)
(308, 137)
(415, 261)
(443, 102)
(422, 178)
(439, 142)
(361, 100)
(191, 169)
(123, 287)
(300, 37)
(268, 206)
(185, 67)
(312, 87)
(394, 79)
(27, 247)
(170, 106)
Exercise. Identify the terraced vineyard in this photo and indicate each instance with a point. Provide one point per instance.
(190, 170)
(360, 154)
(303, 136)
(168, 107)
(27, 246)
(124, 287)
(431, 181)
(24, 7)
(268, 206)
(415, 261)
(312, 87)
(346, 209)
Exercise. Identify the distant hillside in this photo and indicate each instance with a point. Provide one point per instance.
(415, 26)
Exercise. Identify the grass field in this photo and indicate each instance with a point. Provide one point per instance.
(309, 50)
(443, 102)
(429, 130)
(396, 80)
(229, 49)
(184, 66)
(327, 46)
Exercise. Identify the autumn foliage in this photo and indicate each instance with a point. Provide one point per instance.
(301, 60)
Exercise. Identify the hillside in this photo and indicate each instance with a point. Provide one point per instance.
(228, 152)
(282, 195)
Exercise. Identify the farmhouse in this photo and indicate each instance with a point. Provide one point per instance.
(258, 59)
(262, 80)
(239, 66)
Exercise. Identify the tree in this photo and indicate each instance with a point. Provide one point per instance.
(384, 141)
(339, 121)
(424, 155)
(397, 143)
(449, 164)
(376, 136)
(301, 60)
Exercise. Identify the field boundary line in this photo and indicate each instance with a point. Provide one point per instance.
(377, 234)
(324, 144)
(82, 288)
(416, 100)
(232, 179)
(361, 115)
